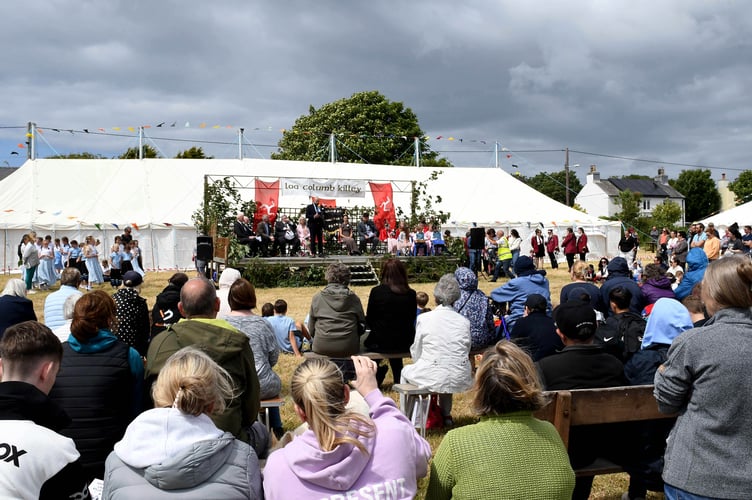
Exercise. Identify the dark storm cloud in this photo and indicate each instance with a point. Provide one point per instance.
(655, 80)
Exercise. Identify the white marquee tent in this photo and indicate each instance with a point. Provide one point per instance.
(742, 215)
(75, 198)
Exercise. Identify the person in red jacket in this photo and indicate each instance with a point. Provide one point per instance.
(582, 247)
(538, 248)
(552, 247)
(570, 247)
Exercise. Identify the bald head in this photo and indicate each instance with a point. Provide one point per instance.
(198, 299)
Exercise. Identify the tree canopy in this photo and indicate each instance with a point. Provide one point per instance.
(742, 187)
(554, 184)
(630, 203)
(193, 152)
(666, 214)
(132, 153)
(369, 129)
(78, 156)
(701, 195)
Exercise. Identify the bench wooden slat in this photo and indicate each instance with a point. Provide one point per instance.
(567, 409)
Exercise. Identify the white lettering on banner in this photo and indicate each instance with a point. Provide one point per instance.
(393, 489)
(330, 188)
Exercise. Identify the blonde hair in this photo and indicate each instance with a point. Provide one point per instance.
(507, 381)
(193, 383)
(578, 269)
(317, 387)
(728, 282)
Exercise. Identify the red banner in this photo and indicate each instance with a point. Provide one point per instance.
(267, 200)
(384, 201)
(328, 203)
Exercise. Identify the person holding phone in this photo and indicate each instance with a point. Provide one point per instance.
(344, 453)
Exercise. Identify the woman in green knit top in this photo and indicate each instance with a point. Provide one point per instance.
(508, 454)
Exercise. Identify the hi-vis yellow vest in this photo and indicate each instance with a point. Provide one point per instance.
(503, 252)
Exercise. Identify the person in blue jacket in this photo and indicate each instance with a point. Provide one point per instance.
(697, 262)
(514, 292)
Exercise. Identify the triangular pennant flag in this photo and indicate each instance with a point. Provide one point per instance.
(116, 226)
(99, 227)
(135, 226)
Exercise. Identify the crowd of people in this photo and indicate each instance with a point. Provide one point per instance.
(43, 260)
(166, 402)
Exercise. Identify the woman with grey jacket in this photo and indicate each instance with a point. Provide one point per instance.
(337, 319)
(175, 450)
(706, 380)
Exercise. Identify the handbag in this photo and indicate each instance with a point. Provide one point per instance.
(435, 419)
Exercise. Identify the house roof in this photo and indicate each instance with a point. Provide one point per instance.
(646, 187)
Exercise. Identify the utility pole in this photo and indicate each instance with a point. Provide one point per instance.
(332, 148)
(566, 173)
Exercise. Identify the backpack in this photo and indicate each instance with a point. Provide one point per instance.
(622, 336)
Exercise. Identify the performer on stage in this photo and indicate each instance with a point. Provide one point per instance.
(315, 216)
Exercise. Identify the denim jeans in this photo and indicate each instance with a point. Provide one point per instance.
(673, 493)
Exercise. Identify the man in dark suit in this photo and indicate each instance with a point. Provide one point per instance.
(244, 234)
(264, 235)
(315, 216)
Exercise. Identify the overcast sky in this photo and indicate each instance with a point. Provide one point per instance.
(665, 80)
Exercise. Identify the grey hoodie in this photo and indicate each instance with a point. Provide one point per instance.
(336, 321)
(168, 454)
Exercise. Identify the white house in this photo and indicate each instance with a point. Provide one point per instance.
(599, 197)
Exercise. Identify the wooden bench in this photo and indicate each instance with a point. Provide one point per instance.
(266, 405)
(568, 409)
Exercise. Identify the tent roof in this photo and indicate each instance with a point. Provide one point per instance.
(165, 192)
(741, 214)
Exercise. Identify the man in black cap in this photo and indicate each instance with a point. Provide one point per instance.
(581, 365)
(535, 331)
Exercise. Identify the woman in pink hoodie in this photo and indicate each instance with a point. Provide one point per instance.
(344, 454)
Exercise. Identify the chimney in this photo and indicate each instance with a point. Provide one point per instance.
(661, 178)
(593, 175)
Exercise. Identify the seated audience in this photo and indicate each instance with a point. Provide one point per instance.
(304, 236)
(343, 454)
(620, 275)
(421, 299)
(166, 311)
(391, 317)
(336, 320)
(175, 450)
(70, 279)
(263, 343)
(228, 347)
(39, 463)
(14, 306)
(515, 291)
(706, 380)
(367, 234)
(648, 439)
(580, 282)
(581, 365)
(655, 284)
(506, 393)
(535, 331)
(697, 262)
(132, 313)
(62, 332)
(441, 349)
(226, 279)
(473, 304)
(622, 332)
(290, 334)
(100, 382)
(693, 303)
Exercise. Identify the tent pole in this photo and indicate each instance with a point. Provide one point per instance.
(240, 143)
(153, 253)
(140, 143)
(175, 248)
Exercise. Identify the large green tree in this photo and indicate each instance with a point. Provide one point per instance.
(368, 127)
(701, 195)
(554, 184)
(742, 187)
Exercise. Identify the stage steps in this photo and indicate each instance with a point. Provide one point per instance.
(362, 274)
